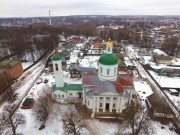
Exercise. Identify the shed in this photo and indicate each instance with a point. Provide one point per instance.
(28, 103)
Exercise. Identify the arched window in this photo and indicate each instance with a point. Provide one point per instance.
(108, 70)
(56, 66)
(115, 70)
(109, 49)
(101, 69)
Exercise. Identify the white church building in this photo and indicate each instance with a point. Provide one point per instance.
(103, 92)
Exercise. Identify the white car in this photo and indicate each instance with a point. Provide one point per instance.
(39, 81)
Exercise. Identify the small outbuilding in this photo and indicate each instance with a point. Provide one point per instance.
(28, 103)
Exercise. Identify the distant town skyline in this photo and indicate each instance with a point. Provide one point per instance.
(35, 8)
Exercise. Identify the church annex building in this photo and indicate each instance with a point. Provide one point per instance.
(105, 91)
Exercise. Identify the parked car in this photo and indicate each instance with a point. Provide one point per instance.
(46, 80)
(39, 81)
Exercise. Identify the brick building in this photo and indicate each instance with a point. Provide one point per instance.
(9, 71)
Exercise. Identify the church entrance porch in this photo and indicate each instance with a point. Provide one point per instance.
(80, 95)
(107, 106)
(106, 113)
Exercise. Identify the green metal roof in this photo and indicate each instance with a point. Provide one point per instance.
(56, 57)
(2, 70)
(75, 87)
(108, 59)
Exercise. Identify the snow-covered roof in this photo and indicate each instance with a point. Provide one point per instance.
(159, 52)
(82, 69)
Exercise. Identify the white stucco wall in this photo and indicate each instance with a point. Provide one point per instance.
(112, 76)
(58, 74)
(73, 93)
(59, 95)
(89, 102)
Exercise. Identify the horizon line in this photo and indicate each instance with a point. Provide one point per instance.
(84, 15)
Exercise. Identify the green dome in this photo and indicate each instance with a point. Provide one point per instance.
(108, 59)
(56, 57)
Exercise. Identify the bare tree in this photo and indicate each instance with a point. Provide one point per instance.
(10, 120)
(43, 106)
(73, 124)
(138, 121)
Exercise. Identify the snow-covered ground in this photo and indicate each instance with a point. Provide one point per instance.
(176, 61)
(164, 81)
(174, 99)
(143, 89)
(89, 61)
(163, 129)
(26, 64)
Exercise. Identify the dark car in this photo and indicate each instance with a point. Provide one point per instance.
(46, 80)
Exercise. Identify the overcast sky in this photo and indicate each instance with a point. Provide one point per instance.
(30, 8)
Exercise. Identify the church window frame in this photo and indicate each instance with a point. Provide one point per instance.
(100, 105)
(101, 69)
(109, 49)
(108, 71)
(56, 67)
(115, 70)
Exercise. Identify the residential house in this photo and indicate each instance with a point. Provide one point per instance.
(161, 59)
(77, 71)
(170, 72)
